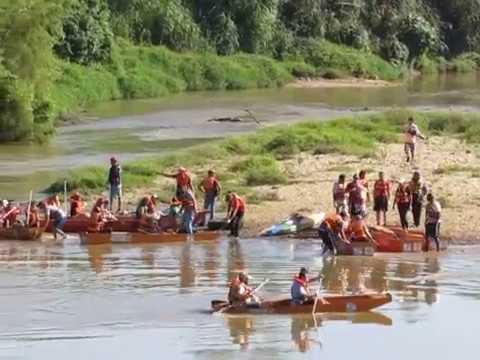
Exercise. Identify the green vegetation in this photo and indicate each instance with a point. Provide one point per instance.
(258, 156)
(57, 56)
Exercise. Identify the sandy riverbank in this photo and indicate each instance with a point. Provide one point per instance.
(450, 167)
(341, 83)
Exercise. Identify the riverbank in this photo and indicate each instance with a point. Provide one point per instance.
(284, 169)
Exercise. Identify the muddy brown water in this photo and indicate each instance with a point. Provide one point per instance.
(133, 129)
(64, 300)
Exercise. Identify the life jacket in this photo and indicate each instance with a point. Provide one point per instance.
(334, 222)
(339, 192)
(356, 230)
(381, 188)
(77, 207)
(301, 282)
(237, 203)
(402, 196)
(237, 290)
(183, 180)
(210, 185)
(188, 200)
(358, 193)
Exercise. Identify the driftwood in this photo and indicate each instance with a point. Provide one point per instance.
(236, 119)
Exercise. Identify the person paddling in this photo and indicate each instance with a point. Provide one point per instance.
(210, 186)
(235, 212)
(240, 293)
(300, 289)
(433, 212)
(115, 183)
(381, 195)
(412, 132)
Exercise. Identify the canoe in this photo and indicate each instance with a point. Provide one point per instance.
(145, 238)
(355, 248)
(25, 233)
(336, 304)
(396, 240)
(126, 223)
(295, 224)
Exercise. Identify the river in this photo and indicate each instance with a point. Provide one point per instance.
(133, 129)
(65, 301)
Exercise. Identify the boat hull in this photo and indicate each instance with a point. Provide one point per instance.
(18, 232)
(145, 238)
(335, 304)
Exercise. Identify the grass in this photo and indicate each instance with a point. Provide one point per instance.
(457, 168)
(244, 162)
(464, 63)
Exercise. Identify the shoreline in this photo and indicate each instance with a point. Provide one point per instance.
(351, 82)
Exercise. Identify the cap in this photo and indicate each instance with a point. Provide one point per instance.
(303, 271)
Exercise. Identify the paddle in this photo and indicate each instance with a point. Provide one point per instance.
(29, 206)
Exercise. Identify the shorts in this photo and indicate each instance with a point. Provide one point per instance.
(380, 203)
(409, 147)
(358, 210)
(115, 191)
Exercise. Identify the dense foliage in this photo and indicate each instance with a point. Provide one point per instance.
(40, 39)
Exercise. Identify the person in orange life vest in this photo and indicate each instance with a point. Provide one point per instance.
(357, 230)
(33, 216)
(239, 292)
(189, 209)
(77, 205)
(210, 186)
(362, 176)
(411, 133)
(340, 195)
(10, 214)
(403, 200)
(115, 183)
(100, 215)
(145, 214)
(184, 182)
(235, 212)
(54, 201)
(357, 197)
(381, 195)
(332, 229)
(300, 289)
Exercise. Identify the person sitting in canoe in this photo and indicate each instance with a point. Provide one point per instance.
(240, 293)
(100, 214)
(357, 230)
(146, 213)
(9, 214)
(77, 205)
(300, 289)
(331, 229)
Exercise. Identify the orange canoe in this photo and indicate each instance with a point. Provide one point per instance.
(395, 239)
(335, 304)
(145, 238)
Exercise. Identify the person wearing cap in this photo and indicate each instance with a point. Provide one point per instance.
(418, 190)
(403, 201)
(433, 212)
(184, 182)
(210, 186)
(239, 292)
(115, 183)
(412, 132)
(300, 289)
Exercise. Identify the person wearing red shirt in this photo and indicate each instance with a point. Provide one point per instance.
(184, 182)
(381, 195)
(235, 212)
(403, 200)
(210, 186)
(77, 205)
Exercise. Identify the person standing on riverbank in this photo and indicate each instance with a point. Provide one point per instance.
(357, 197)
(381, 195)
(433, 212)
(417, 189)
(235, 212)
(210, 186)
(403, 202)
(184, 182)
(411, 133)
(339, 193)
(115, 183)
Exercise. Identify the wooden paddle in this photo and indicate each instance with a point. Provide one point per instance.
(29, 206)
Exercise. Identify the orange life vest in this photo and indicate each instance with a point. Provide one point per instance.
(356, 230)
(210, 184)
(334, 222)
(183, 180)
(237, 203)
(381, 188)
(402, 196)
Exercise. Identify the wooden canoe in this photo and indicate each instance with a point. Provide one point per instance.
(336, 304)
(25, 233)
(145, 238)
(355, 248)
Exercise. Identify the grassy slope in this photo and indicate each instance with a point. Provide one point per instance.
(146, 72)
(253, 160)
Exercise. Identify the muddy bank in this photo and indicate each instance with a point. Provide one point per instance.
(342, 83)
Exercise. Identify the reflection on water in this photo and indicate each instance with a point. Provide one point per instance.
(105, 297)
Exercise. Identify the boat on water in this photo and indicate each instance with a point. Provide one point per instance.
(332, 304)
(99, 238)
(22, 232)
